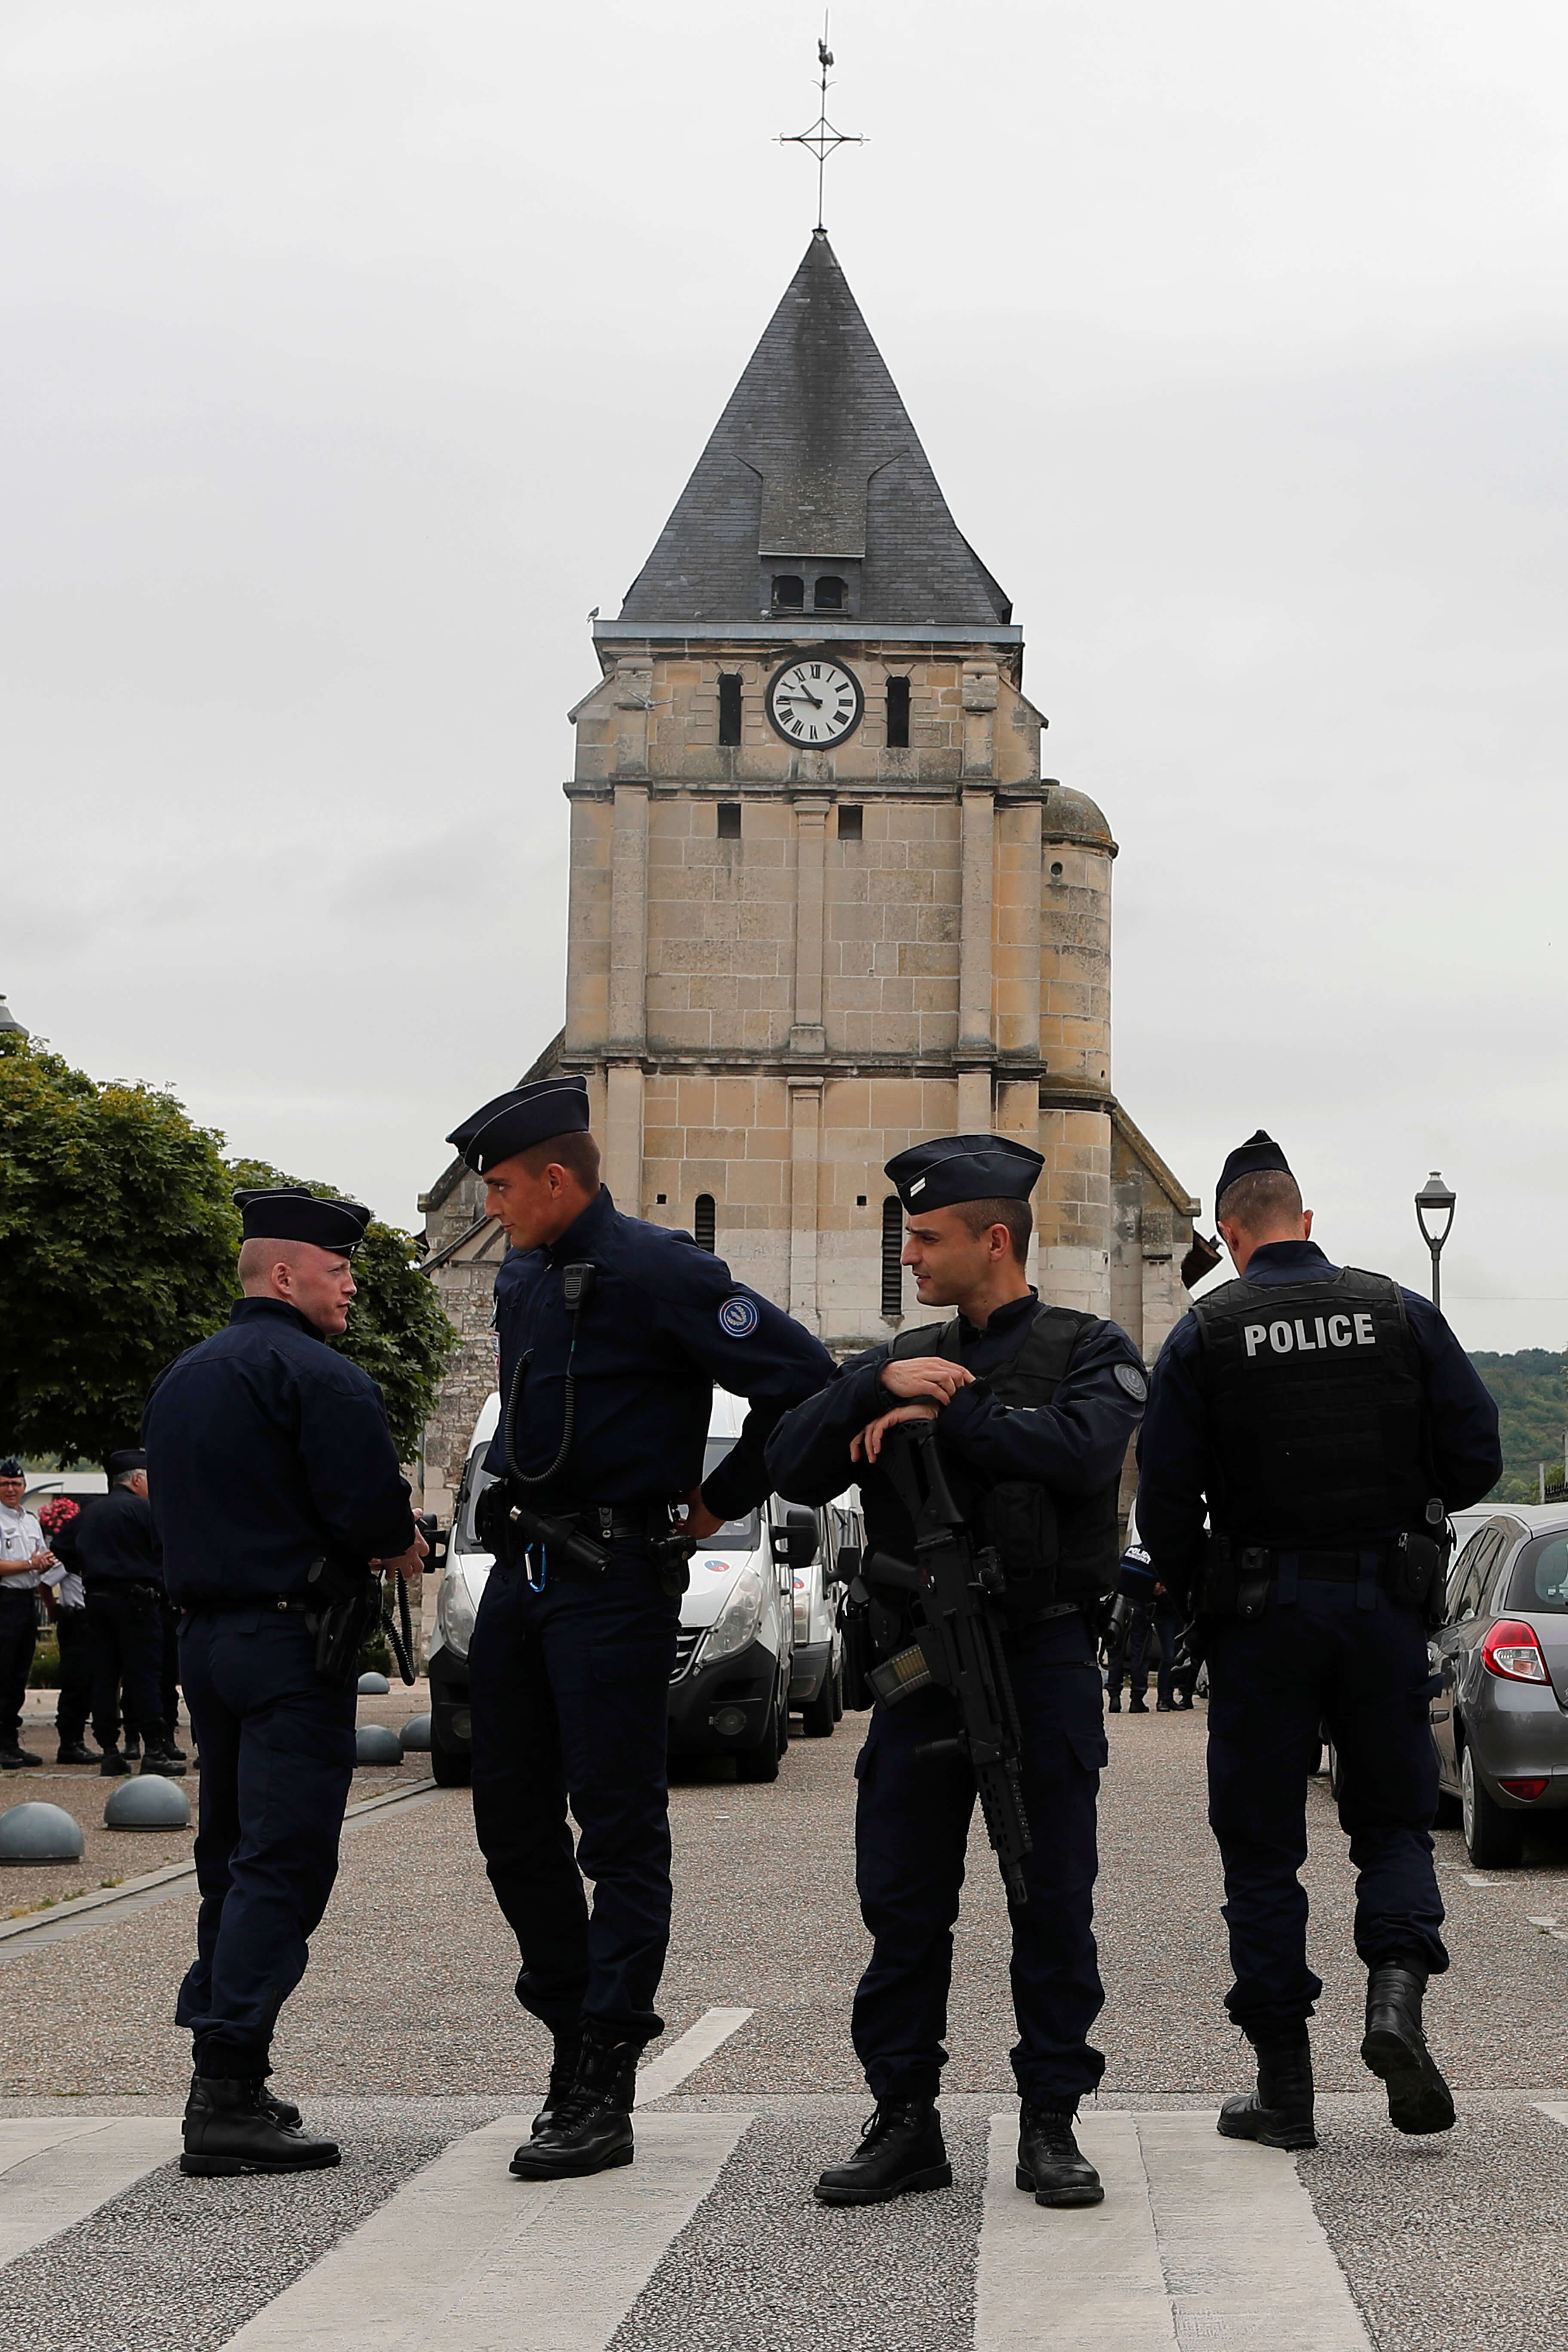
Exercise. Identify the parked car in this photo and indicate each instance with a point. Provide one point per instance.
(736, 1670)
(816, 1685)
(1499, 1722)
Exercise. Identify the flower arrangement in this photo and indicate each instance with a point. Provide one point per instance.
(57, 1513)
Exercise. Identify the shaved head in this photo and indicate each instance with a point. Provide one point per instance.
(319, 1282)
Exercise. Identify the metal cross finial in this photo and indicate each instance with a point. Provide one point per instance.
(822, 138)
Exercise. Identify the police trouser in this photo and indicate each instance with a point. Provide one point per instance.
(75, 1675)
(569, 1689)
(277, 1755)
(125, 1627)
(911, 1828)
(1350, 1658)
(18, 1639)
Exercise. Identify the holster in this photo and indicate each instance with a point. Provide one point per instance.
(1417, 1575)
(345, 1608)
(1234, 1583)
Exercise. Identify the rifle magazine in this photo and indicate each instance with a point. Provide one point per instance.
(896, 1676)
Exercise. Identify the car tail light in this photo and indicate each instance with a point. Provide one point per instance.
(1526, 1788)
(1511, 1650)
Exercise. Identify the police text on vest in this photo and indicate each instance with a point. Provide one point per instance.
(1332, 1330)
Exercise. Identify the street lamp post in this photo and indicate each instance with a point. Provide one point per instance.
(1432, 1201)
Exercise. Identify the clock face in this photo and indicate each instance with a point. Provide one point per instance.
(816, 701)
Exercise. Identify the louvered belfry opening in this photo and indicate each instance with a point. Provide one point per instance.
(892, 1253)
(704, 1221)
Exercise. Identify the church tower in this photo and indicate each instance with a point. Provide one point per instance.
(823, 903)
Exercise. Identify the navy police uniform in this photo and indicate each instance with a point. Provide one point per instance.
(569, 1669)
(1048, 1439)
(1314, 1413)
(267, 1453)
(116, 1554)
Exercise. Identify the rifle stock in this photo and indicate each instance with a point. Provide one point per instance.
(955, 1585)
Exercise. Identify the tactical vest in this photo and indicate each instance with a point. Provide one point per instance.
(1315, 1411)
(1053, 1547)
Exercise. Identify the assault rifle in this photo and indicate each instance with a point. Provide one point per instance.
(955, 1585)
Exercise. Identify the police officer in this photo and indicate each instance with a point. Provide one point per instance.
(269, 1455)
(117, 1557)
(613, 1333)
(1326, 1420)
(1034, 1406)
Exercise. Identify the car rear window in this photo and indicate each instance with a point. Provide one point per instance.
(1540, 1578)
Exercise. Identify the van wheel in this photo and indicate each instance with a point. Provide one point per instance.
(1494, 1840)
(762, 1762)
(452, 1766)
(817, 1715)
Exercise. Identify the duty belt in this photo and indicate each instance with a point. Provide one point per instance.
(1318, 1567)
(612, 1522)
(221, 1604)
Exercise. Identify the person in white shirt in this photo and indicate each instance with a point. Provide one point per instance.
(25, 1562)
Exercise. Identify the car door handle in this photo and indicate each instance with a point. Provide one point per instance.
(1439, 1714)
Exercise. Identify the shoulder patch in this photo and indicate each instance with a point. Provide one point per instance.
(737, 1317)
(1129, 1377)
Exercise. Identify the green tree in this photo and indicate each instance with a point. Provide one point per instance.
(397, 1331)
(117, 1248)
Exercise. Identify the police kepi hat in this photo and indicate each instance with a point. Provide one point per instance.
(129, 1458)
(1249, 1159)
(290, 1212)
(964, 1168)
(526, 1116)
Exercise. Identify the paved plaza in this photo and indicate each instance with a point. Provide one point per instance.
(405, 2042)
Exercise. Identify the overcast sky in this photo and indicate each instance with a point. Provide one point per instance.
(354, 352)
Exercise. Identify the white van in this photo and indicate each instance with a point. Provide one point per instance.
(737, 1671)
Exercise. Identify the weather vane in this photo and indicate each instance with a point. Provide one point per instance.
(822, 138)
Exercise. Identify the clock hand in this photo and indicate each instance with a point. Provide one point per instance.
(802, 697)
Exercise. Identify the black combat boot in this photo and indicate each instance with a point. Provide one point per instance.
(112, 1764)
(591, 2131)
(1137, 1704)
(133, 1746)
(1279, 2114)
(1395, 2047)
(14, 1758)
(1051, 2160)
(233, 2125)
(563, 2075)
(76, 1752)
(162, 1762)
(901, 2147)
(1113, 1704)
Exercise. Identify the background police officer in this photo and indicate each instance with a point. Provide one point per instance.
(269, 1455)
(607, 1382)
(1315, 1412)
(116, 1555)
(1035, 1407)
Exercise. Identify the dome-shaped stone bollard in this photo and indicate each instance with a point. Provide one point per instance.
(375, 1743)
(36, 1833)
(148, 1802)
(372, 1686)
(415, 1735)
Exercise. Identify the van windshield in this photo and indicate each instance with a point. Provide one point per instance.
(735, 1535)
(1540, 1578)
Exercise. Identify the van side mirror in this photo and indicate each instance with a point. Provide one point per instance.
(847, 1565)
(795, 1544)
(437, 1538)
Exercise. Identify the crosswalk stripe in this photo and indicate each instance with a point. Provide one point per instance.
(670, 2068)
(1201, 2240)
(465, 2258)
(1247, 2260)
(1089, 2275)
(56, 2170)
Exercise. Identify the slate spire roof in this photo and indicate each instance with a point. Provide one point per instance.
(816, 458)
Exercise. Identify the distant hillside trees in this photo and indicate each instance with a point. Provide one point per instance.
(1531, 1393)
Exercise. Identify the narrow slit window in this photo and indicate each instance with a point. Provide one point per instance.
(892, 1254)
(704, 1221)
(728, 820)
(828, 595)
(898, 714)
(851, 823)
(728, 709)
(789, 591)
